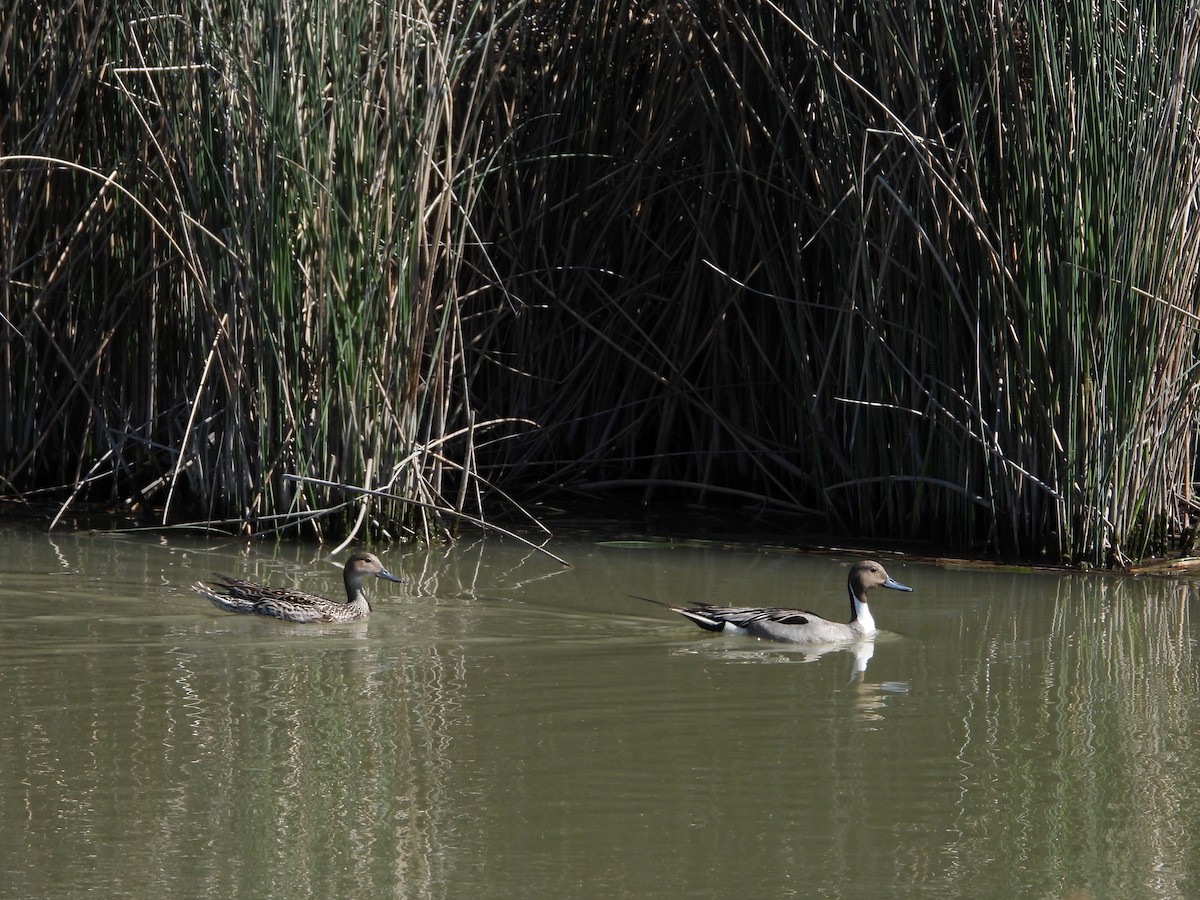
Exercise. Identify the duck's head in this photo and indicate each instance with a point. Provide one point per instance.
(868, 574)
(363, 565)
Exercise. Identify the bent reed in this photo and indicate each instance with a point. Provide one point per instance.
(925, 277)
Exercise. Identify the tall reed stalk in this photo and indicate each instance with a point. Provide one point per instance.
(906, 273)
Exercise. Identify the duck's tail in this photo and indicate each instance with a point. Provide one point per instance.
(696, 614)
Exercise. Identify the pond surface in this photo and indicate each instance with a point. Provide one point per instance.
(502, 727)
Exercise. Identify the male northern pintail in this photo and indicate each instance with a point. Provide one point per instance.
(798, 626)
(239, 596)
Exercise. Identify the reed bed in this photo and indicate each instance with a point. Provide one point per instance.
(280, 307)
(907, 272)
(899, 271)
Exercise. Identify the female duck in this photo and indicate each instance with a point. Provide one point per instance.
(239, 596)
(797, 626)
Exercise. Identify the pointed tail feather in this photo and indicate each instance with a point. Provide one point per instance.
(707, 622)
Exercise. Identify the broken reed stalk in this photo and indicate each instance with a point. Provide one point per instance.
(473, 520)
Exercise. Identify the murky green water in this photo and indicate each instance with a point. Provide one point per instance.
(501, 728)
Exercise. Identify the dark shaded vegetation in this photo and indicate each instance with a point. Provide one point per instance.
(889, 273)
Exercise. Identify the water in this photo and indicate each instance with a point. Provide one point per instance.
(501, 727)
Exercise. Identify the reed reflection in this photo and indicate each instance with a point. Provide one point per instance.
(1107, 757)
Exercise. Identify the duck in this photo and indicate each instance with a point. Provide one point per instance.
(236, 595)
(797, 626)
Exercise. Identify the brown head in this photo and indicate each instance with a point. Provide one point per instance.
(868, 574)
(362, 565)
